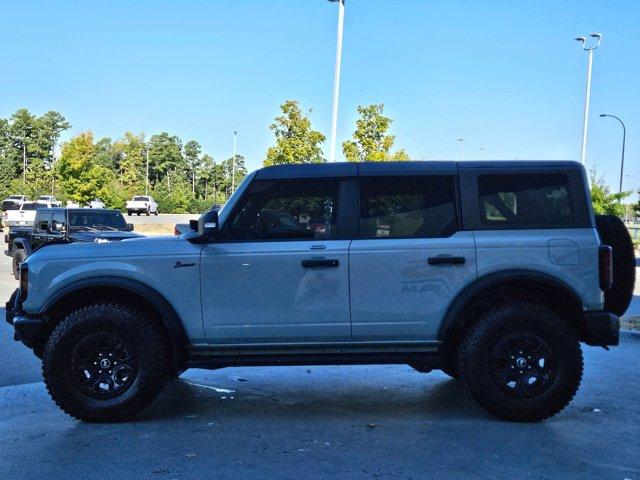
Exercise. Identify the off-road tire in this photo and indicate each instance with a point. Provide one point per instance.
(500, 324)
(150, 346)
(614, 233)
(18, 257)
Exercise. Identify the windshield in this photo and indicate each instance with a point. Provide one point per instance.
(44, 197)
(97, 220)
(140, 199)
(31, 206)
(15, 197)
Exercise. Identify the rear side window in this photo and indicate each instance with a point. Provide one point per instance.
(59, 222)
(43, 221)
(287, 210)
(407, 207)
(526, 200)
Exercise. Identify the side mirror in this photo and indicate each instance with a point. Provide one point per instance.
(130, 227)
(193, 225)
(208, 225)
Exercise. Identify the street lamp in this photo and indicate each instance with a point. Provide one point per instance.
(146, 184)
(461, 140)
(484, 152)
(624, 138)
(336, 81)
(233, 162)
(588, 48)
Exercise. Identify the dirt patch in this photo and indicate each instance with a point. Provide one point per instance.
(154, 229)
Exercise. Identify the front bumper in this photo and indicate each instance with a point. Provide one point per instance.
(601, 328)
(27, 329)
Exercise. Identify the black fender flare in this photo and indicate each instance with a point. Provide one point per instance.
(470, 292)
(23, 243)
(168, 314)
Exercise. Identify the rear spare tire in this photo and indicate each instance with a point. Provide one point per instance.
(614, 233)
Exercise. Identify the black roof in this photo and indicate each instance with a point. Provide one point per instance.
(354, 169)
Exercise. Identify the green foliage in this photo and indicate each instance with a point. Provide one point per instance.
(605, 202)
(371, 142)
(182, 179)
(81, 178)
(296, 142)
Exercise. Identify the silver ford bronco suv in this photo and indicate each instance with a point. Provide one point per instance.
(493, 272)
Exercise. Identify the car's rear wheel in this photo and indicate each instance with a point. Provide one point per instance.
(18, 257)
(148, 212)
(105, 362)
(521, 362)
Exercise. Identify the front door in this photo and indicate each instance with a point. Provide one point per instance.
(278, 274)
(410, 260)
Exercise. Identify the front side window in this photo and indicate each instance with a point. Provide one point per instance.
(405, 207)
(287, 210)
(525, 200)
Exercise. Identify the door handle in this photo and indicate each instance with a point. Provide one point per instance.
(442, 260)
(319, 263)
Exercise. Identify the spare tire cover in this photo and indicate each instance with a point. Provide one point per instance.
(614, 233)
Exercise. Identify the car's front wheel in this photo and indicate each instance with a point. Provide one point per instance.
(105, 362)
(521, 361)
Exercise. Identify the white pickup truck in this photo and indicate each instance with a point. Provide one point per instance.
(25, 215)
(49, 199)
(142, 204)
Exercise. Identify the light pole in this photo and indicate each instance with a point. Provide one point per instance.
(484, 152)
(588, 48)
(336, 81)
(624, 139)
(146, 183)
(233, 164)
(461, 140)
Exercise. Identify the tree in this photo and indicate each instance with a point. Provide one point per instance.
(165, 156)
(605, 202)
(296, 142)
(192, 151)
(233, 174)
(130, 154)
(81, 178)
(371, 142)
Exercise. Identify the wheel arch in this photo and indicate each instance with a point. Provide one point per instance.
(109, 288)
(23, 243)
(519, 284)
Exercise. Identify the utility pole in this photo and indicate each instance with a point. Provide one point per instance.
(146, 185)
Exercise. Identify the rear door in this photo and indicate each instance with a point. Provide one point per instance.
(410, 260)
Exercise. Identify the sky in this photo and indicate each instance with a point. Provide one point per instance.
(505, 75)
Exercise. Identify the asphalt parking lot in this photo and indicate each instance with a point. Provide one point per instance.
(377, 422)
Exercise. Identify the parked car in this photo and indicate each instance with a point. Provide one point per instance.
(49, 199)
(12, 202)
(142, 204)
(493, 272)
(24, 215)
(62, 225)
(96, 204)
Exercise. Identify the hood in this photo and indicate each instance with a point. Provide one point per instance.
(132, 247)
(110, 236)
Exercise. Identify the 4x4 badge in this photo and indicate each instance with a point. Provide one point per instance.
(180, 265)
